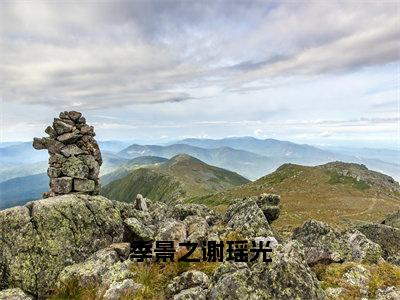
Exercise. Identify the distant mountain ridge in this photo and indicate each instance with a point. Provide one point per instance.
(181, 176)
(248, 164)
(18, 191)
(266, 147)
(127, 167)
(253, 157)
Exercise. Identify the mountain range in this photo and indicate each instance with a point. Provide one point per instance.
(250, 157)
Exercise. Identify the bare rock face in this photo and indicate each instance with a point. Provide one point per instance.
(40, 239)
(323, 244)
(75, 157)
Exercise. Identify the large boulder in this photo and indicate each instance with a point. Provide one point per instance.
(188, 280)
(286, 277)
(247, 218)
(172, 230)
(122, 290)
(392, 220)
(197, 228)
(135, 230)
(269, 204)
(323, 244)
(39, 239)
(181, 211)
(14, 294)
(140, 203)
(387, 237)
(105, 272)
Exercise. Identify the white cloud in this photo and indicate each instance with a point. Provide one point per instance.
(217, 68)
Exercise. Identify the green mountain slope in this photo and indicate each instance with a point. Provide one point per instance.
(150, 183)
(127, 167)
(180, 177)
(334, 192)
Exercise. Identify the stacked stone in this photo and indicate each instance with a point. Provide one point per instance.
(75, 157)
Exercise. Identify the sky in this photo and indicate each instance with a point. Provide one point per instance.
(317, 72)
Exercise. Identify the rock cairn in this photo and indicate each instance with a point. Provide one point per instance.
(75, 158)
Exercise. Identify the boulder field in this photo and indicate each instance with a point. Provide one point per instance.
(85, 241)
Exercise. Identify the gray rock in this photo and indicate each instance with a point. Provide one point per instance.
(82, 120)
(94, 167)
(75, 168)
(180, 211)
(47, 235)
(286, 277)
(197, 228)
(53, 172)
(269, 240)
(126, 288)
(86, 129)
(196, 293)
(172, 231)
(89, 273)
(14, 294)
(188, 280)
(51, 132)
(39, 143)
(74, 115)
(269, 204)
(122, 249)
(232, 281)
(64, 115)
(128, 210)
(388, 293)
(89, 161)
(334, 293)
(101, 271)
(246, 217)
(358, 276)
(62, 127)
(61, 185)
(360, 248)
(56, 160)
(54, 147)
(71, 150)
(387, 237)
(84, 185)
(69, 137)
(136, 230)
(323, 244)
(51, 145)
(140, 203)
(392, 220)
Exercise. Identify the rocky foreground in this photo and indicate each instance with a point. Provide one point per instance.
(76, 244)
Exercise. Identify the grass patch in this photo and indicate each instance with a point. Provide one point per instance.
(382, 275)
(155, 277)
(336, 178)
(74, 291)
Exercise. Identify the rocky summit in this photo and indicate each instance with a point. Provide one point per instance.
(75, 158)
(80, 246)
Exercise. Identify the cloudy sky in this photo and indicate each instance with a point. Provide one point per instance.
(321, 72)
